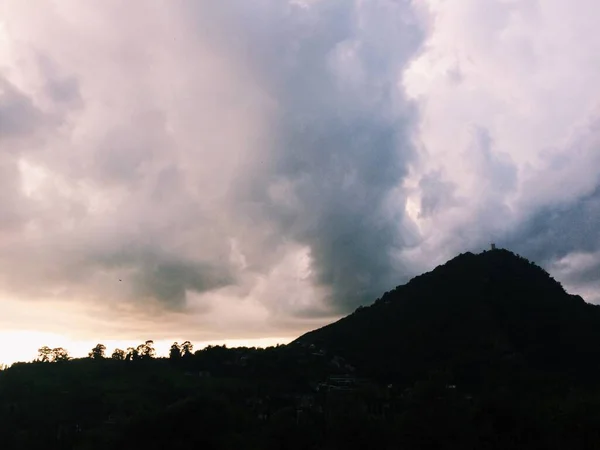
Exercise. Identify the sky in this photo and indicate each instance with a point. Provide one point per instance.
(244, 171)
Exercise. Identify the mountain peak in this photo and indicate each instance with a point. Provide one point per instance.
(474, 311)
(486, 274)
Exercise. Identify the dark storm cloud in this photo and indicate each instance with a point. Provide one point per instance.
(586, 276)
(162, 276)
(436, 193)
(565, 239)
(556, 231)
(341, 142)
(168, 281)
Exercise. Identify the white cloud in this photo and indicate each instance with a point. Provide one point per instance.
(523, 72)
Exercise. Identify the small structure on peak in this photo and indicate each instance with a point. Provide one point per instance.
(493, 246)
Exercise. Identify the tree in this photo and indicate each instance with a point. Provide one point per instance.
(146, 350)
(187, 349)
(175, 352)
(118, 355)
(98, 352)
(44, 354)
(132, 354)
(47, 354)
(60, 354)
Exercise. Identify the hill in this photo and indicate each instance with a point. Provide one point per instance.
(485, 352)
(482, 319)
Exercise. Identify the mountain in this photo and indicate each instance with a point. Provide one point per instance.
(484, 352)
(481, 319)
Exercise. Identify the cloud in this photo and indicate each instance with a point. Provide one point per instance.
(436, 193)
(579, 273)
(236, 167)
(509, 148)
(255, 169)
(556, 231)
(18, 114)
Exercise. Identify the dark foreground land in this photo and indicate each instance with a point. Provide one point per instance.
(484, 352)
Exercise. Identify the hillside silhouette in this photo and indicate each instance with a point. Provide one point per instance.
(478, 317)
(487, 351)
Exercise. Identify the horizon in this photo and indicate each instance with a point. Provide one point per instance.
(249, 171)
(82, 348)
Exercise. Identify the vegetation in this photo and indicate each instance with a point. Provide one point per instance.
(484, 352)
(488, 318)
(98, 352)
(47, 354)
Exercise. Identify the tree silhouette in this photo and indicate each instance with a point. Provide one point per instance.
(146, 350)
(187, 349)
(132, 354)
(119, 355)
(48, 355)
(175, 352)
(98, 352)
(60, 354)
(44, 354)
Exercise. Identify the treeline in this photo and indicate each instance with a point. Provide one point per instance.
(220, 359)
(297, 366)
(143, 351)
